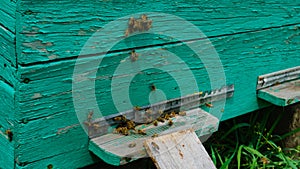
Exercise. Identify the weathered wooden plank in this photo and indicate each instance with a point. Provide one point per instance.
(178, 150)
(6, 152)
(6, 124)
(71, 160)
(7, 105)
(59, 133)
(58, 33)
(8, 72)
(282, 94)
(7, 45)
(7, 13)
(117, 149)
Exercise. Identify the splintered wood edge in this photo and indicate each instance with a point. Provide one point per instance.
(187, 139)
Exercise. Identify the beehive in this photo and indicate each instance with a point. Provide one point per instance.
(41, 42)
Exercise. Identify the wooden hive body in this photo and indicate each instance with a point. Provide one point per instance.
(41, 41)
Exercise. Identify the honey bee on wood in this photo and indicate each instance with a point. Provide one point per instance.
(96, 126)
(130, 124)
(90, 115)
(155, 122)
(120, 118)
(209, 105)
(131, 25)
(182, 113)
(160, 112)
(170, 123)
(172, 114)
(142, 132)
(160, 119)
(137, 108)
(125, 131)
(154, 135)
(167, 117)
(149, 111)
(133, 56)
(9, 134)
(153, 87)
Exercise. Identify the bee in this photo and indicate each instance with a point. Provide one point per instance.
(172, 114)
(131, 24)
(160, 112)
(124, 131)
(290, 101)
(90, 115)
(160, 119)
(167, 117)
(120, 118)
(153, 87)
(145, 23)
(149, 111)
(137, 108)
(154, 135)
(155, 122)
(142, 132)
(131, 145)
(155, 146)
(50, 166)
(130, 124)
(170, 123)
(96, 126)
(209, 105)
(182, 113)
(133, 56)
(9, 134)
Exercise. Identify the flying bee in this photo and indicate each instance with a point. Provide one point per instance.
(209, 105)
(155, 122)
(142, 132)
(170, 123)
(160, 119)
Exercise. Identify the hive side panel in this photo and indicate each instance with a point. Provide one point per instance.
(58, 33)
(7, 130)
(46, 103)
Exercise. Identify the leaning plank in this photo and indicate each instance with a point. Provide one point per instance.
(118, 149)
(283, 94)
(178, 150)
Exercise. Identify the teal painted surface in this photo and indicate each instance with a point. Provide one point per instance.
(7, 107)
(271, 98)
(107, 156)
(58, 33)
(252, 38)
(70, 160)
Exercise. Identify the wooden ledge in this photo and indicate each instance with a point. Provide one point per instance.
(117, 149)
(282, 94)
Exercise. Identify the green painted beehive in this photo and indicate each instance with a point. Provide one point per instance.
(41, 42)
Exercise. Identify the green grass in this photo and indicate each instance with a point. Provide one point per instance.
(250, 143)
